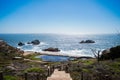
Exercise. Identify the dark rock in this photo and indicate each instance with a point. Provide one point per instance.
(112, 53)
(85, 57)
(52, 49)
(20, 44)
(87, 41)
(35, 42)
(82, 41)
(106, 51)
(28, 42)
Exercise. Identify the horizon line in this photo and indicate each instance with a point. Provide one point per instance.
(66, 33)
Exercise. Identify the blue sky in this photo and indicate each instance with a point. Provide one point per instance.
(60, 16)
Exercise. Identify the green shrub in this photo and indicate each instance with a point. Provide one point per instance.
(33, 57)
(115, 66)
(10, 78)
(35, 69)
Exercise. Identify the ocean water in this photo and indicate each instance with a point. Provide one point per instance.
(68, 44)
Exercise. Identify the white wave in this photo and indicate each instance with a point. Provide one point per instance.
(26, 44)
(34, 49)
(76, 52)
(82, 52)
(41, 43)
(19, 47)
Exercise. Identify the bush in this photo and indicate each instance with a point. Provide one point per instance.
(35, 69)
(10, 78)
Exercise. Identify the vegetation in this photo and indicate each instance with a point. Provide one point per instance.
(10, 77)
(32, 57)
(35, 69)
(104, 70)
(88, 69)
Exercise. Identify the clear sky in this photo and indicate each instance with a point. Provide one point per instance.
(60, 16)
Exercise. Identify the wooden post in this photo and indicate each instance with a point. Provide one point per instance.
(1, 75)
(51, 70)
(37, 76)
(26, 76)
(82, 76)
(41, 76)
(48, 71)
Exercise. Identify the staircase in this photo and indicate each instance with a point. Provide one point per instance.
(59, 75)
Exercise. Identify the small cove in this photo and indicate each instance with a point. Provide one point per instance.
(53, 58)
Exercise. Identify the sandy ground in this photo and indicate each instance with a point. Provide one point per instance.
(28, 52)
(55, 54)
(50, 53)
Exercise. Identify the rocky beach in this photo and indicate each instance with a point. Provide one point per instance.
(19, 65)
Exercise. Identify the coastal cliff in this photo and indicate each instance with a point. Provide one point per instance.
(7, 51)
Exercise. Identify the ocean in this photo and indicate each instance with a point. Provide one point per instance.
(68, 44)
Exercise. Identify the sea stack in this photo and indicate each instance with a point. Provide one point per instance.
(20, 44)
(87, 41)
(52, 49)
(35, 42)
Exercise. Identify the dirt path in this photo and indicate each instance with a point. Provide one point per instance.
(59, 75)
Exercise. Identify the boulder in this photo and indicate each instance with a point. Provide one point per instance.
(20, 44)
(87, 41)
(52, 49)
(82, 41)
(28, 42)
(35, 42)
(106, 51)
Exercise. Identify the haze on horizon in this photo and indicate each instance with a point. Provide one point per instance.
(60, 16)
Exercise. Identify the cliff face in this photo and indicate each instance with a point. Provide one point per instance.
(8, 51)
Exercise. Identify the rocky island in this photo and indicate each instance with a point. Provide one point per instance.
(87, 41)
(35, 42)
(52, 49)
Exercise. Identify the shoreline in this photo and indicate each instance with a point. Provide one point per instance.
(54, 54)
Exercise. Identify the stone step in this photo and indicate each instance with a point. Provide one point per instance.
(50, 78)
(59, 75)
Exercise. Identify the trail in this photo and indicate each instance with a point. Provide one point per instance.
(59, 75)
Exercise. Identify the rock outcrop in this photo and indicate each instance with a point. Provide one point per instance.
(106, 51)
(111, 53)
(87, 41)
(28, 42)
(20, 44)
(8, 51)
(35, 42)
(52, 49)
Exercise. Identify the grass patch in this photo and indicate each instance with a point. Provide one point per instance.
(115, 66)
(35, 69)
(10, 77)
(32, 57)
(88, 61)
